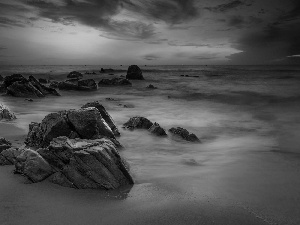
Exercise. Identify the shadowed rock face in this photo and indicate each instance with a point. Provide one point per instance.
(104, 114)
(83, 123)
(184, 134)
(157, 130)
(75, 74)
(137, 122)
(78, 85)
(115, 82)
(8, 156)
(134, 73)
(4, 144)
(5, 113)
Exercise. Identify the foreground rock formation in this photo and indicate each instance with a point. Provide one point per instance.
(77, 85)
(114, 82)
(134, 73)
(137, 122)
(184, 134)
(5, 113)
(18, 86)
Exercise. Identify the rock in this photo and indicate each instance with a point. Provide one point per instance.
(43, 81)
(1, 78)
(184, 134)
(88, 83)
(104, 114)
(80, 163)
(54, 84)
(106, 70)
(137, 122)
(5, 113)
(157, 130)
(75, 74)
(83, 123)
(78, 85)
(128, 106)
(134, 73)
(114, 81)
(42, 88)
(28, 100)
(9, 80)
(111, 99)
(2, 88)
(4, 144)
(8, 156)
(182, 75)
(31, 164)
(150, 86)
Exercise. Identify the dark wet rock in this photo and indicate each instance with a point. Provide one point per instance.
(150, 86)
(82, 123)
(32, 165)
(128, 106)
(9, 80)
(54, 84)
(111, 99)
(75, 74)
(104, 114)
(5, 113)
(182, 75)
(43, 80)
(2, 88)
(1, 78)
(134, 73)
(157, 130)
(8, 156)
(42, 88)
(4, 144)
(137, 122)
(78, 85)
(114, 81)
(86, 164)
(89, 83)
(183, 133)
(28, 100)
(106, 70)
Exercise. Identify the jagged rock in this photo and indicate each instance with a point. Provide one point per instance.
(54, 84)
(5, 113)
(184, 134)
(82, 123)
(75, 74)
(114, 81)
(89, 83)
(78, 85)
(83, 164)
(104, 114)
(134, 73)
(4, 144)
(157, 130)
(42, 88)
(137, 122)
(43, 80)
(9, 80)
(150, 86)
(31, 164)
(8, 156)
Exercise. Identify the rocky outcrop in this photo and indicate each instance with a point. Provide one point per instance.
(8, 156)
(5, 113)
(84, 123)
(150, 86)
(137, 122)
(54, 84)
(78, 85)
(18, 86)
(106, 70)
(75, 74)
(134, 73)
(104, 114)
(43, 80)
(184, 134)
(4, 144)
(114, 82)
(157, 130)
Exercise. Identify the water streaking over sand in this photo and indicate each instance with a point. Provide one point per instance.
(245, 171)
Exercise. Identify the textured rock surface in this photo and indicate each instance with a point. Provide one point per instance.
(8, 156)
(137, 122)
(114, 81)
(4, 144)
(157, 130)
(134, 73)
(75, 74)
(80, 163)
(183, 133)
(78, 85)
(83, 123)
(104, 114)
(5, 113)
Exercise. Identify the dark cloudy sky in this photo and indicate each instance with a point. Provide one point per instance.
(149, 32)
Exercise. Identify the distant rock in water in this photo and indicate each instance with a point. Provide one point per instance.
(134, 73)
(75, 74)
(104, 114)
(5, 113)
(106, 70)
(78, 85)
(157, 130)
(137, 122)
(76, 163)
(114, 82)
(85, 123)
(18, 86)
(150, 86)
(184, 134)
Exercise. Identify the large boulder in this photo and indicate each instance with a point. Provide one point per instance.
(8, 156)
(78, 85)
(134, 73)
(42, 88)
(53, 84)
(82, 123)
(184, 134)
(81, 163)
(104, 114)
(75, 74)
(5, 113)
(157, 130)
(137, 122)
(114, 82)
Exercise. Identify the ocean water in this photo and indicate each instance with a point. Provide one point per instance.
(247, 118)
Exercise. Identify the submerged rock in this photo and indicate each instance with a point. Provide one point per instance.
(157, 130)
(106, 70)
(114, 81)
(5, 113)
(137, 122)
(78, 85)
(104, 114)
(54, 84)
(134, 73)
(183, 133)
(150, 86)
(75, 74)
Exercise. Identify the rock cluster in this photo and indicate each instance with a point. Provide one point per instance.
(78, 85)
(183, 133)
(150, 86)
(106, 70)
(5, 113)
(114, 81)
(74, 74)
(4, 144)
(18, 86)
(134, 73)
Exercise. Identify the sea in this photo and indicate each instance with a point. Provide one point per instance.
(247, 118)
